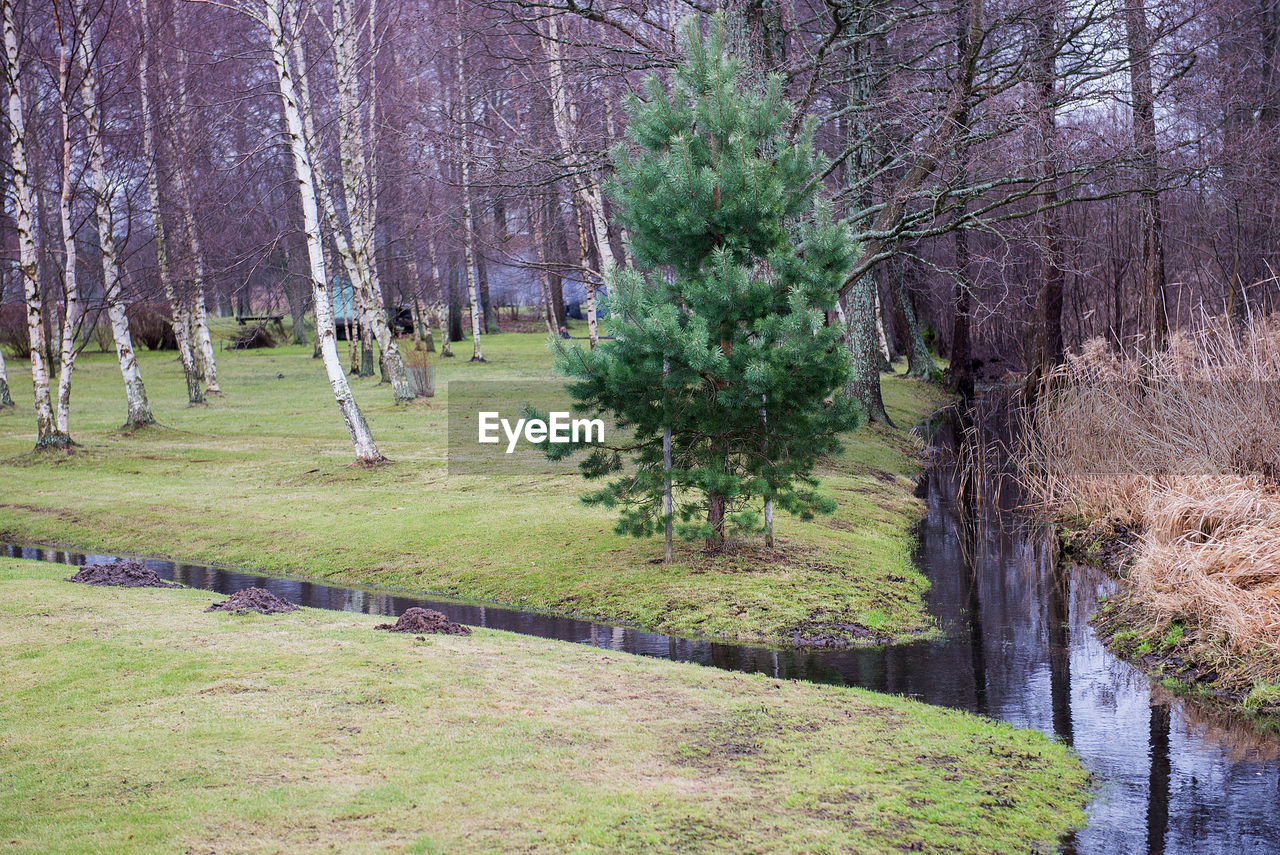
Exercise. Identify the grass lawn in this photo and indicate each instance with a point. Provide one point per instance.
(261, 478)
(133, 721)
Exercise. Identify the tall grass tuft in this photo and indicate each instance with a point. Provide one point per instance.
(1185, 444)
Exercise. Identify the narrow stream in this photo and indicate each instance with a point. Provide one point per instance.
(1171, 778)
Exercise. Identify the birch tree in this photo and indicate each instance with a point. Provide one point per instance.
(48, 435)
(70, 283)
(468, 224)
(585, 189)
(354, 140)
(365, 447)
(201, 341)
(138, 408)
(177, 303)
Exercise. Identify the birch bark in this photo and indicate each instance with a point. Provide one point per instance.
(441, 306)
(202, 342)
(48, 435)
(139, 410)
(358, 190)
(564, 116)
(177, 306)
(365, 447)
(71, 287)
(468, 225)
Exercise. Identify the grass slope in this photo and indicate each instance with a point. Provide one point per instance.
(134, 721)
(261, 478)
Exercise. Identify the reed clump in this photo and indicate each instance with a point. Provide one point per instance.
(1184, 445)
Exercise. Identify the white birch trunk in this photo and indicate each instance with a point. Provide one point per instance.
(564, 115)
(202, 343)
(358, 190)
(544, 280)
(6, 399)
(139, 410)
(71, 286)
(468, 226)
(880, 336)
(48, 435)
(365, 447)
(177, 307)
(441, 307)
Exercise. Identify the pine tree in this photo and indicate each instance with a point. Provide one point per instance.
(720, 330)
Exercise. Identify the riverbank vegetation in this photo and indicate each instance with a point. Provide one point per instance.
(248, 479)
(1180, 447)
(177, 728)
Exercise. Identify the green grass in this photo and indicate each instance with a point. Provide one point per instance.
(134, 721)
(261, 478)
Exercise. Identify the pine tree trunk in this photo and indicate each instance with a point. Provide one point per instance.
(668, 504)
(365, 448)
(48, 435)
(715, 519)
(139, 409)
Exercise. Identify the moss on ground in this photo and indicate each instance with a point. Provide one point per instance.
(134, 721)
(262, 478)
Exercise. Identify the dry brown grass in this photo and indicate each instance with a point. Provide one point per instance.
(1184, 444)
(1211, 549)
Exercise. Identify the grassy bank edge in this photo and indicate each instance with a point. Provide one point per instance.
(146, 724)
(226, 484)
(1178, 656)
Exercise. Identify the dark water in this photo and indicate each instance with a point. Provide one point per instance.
(1171, 778)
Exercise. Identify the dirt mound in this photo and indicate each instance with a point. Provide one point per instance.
(258, 600)
(425, 621)
(121, 574)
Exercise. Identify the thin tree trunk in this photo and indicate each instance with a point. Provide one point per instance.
(177, 309)
(139, 409)
(919, 360)
(668, 505)
(441, 305)
(1154, 312)
(468, 237)
(588, 197)
(365, 447)
(6, 399)
(202, 342)
(544, 281)
(48, 435)
(358, 189)
(71, 288)
(1047, 349)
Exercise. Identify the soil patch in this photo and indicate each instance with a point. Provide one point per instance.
(258, 600)
(418, 620)
(833, 635)
(120, 574)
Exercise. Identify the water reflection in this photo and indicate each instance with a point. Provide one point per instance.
(1171, 778)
